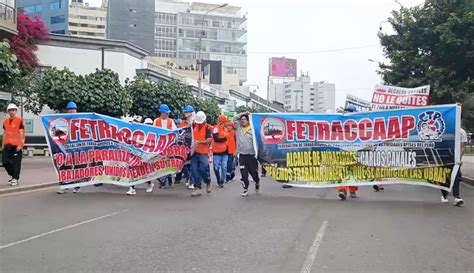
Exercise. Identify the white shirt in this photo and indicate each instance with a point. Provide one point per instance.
(463, 135)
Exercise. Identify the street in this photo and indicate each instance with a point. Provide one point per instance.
(403, 229)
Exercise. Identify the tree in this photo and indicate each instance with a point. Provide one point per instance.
(24, 45)
(433, 44)
(98, 92)
(8, 69)
(243, 109)
(210, 107)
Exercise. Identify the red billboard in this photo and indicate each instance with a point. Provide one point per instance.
(282, 67)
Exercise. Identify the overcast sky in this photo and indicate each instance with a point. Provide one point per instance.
(307, 30)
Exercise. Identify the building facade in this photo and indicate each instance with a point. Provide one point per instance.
(177, 28)
(303, 96)
(77, 19)
(7, 19)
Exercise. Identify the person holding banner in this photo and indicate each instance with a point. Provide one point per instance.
(187, 122)
(219, 150)
(444, 194)
(200, 160)
(12, 144)
(231, 151)
(164, 122)
(351, 108)
(247, 161)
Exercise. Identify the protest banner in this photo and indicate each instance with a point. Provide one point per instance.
(89, 148)
(418, 146)
(393, 97)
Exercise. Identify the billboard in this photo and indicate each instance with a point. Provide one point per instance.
(282, 67)
(393, 97)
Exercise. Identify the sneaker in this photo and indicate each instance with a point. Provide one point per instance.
(245, 193)
(257, 187)
(342, 195)
(376, 187)
(76, 190)
(10, 180)
(150, 187)
(131, 191)
(187, 184)
(13, 182)
(286, 186)
(221, 185)
(444, 199)
(208, 188)
(196, 192)
(458, 202)
(61, 191)
(191, 187)
(381, 188)
(353, 195)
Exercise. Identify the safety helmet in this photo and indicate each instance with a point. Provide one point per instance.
(164, 109)
(222, 119)
(71, 105)
(178, 121)
(350, 108)
(148, 121)
(188, 109)
(200, 117)
(12, 106)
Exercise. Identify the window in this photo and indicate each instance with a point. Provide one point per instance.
(58, 19)
(162, 44)
(59, 32)
(215, 23)
(168, 32)
(235, 60)
(60, 4)
(31, 9)
(166, 18)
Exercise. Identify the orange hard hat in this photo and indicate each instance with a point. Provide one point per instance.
(222, 119)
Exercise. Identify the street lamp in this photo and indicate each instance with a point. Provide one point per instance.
(201, 35)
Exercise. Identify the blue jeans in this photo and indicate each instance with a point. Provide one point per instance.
(230, 168)
(200, 170)
(220, 168)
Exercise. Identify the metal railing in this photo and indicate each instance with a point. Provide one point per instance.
(7, 13)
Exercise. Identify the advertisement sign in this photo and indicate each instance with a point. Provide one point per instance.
(393, 97)
(89, 148)
(361, 104)
(282, 67)
(418, 146)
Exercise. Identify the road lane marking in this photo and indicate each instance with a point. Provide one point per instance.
(313, 251)
(61, 229)
(25, 192)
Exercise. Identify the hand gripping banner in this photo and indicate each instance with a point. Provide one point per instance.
(418, 146)
(89, 148)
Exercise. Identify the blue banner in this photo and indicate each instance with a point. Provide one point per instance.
(89, 148)
(417, 146)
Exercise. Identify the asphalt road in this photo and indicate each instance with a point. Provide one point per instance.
(404, 229)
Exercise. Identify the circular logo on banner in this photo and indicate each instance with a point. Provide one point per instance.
(430, 126)
(273, 130)
(59, 130)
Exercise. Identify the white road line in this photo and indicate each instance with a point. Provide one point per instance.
(313, 251)
(61, 229)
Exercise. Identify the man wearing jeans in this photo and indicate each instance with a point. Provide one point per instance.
(200, 159)
(247, 161)
(444, 194)
(219, 150)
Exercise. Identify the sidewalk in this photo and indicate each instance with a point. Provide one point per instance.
(467, 169)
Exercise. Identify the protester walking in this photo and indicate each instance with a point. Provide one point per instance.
(149, 189)
(456, 194)
(71, 108)
(164, 122)
(342, 191)
(186, 170)
(219, 150)
(200, 160)
(12, 144)
(231, 151)
(247, 161)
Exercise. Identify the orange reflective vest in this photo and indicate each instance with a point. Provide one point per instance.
(183, 124)
(200, 134)
(169, 123)
(219, 147)
(12, 135)
(231, 143)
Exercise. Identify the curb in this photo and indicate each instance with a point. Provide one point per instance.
(13, 189)
(468, 180)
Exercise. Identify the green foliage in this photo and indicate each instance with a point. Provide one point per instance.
(98, 92)
(8, 65)
(26, 90)
(148, 96)
(243, 109)
(433, 44)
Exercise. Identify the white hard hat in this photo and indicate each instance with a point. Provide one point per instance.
(12, 106)
(148, 121)
(200, 117)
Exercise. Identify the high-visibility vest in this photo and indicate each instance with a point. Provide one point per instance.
(159, 121)
(219, 147)
(12, 135)
(231, 143)
(200, 135)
